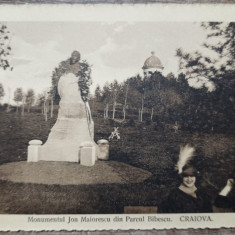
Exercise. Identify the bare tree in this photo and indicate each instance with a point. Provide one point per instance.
(29, 98)
(45, 104)
(39, 101)
(18, 97)
(52, 105)
(115, 89)
(23, 104)
(106, 96)
(125, 101)
(43, 101)
(9, 97)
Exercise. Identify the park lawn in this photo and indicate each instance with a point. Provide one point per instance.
(141, 145)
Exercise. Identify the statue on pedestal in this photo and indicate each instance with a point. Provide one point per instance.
(74, 125)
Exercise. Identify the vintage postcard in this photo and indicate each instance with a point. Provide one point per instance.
(117, 117)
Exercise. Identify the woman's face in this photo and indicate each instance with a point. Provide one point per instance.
(189, 181)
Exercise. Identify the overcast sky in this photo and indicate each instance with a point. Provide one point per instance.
(115, 50)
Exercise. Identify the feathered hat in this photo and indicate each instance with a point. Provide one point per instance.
(185, 155)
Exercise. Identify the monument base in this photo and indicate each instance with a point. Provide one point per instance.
(63, 151)
(55, 152)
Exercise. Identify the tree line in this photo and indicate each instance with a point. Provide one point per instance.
(25, 100)
(163, 100)
(170, 99)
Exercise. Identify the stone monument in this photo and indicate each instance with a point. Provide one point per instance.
(73, 132)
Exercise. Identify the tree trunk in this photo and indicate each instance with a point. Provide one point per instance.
(17, 106)
(46, 115)
(124, 108)
(9, 97)
(22, 113)
(124, 113)
(142, 108)
(8, 108)
(107, 111)
(114, 109)
(43, 108)
(93, 106)
(52, 107)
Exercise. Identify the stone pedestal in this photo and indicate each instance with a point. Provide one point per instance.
(103, 149)
(87, 154)
(33, 150)
(73, 125)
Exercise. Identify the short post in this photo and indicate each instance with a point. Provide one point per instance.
(87, 154)
(103, 149)
(33, 150)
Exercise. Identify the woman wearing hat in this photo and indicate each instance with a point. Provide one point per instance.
(186, 198)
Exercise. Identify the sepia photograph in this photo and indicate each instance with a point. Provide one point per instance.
(117, 118)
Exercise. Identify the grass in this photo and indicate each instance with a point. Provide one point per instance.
(141, 145)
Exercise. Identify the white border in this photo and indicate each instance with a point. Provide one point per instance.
(112, 13)
(156, 221)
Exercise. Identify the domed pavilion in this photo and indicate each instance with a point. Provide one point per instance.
(151, 65)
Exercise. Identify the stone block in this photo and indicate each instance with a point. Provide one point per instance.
(103, 149)
(59, 152)
(87, 155)
(33, 150)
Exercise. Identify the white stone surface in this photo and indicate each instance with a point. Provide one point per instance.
(87, 156)
(33, 150)
(71, 127)
(103, 149)
(86, 144)
(35, 142)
